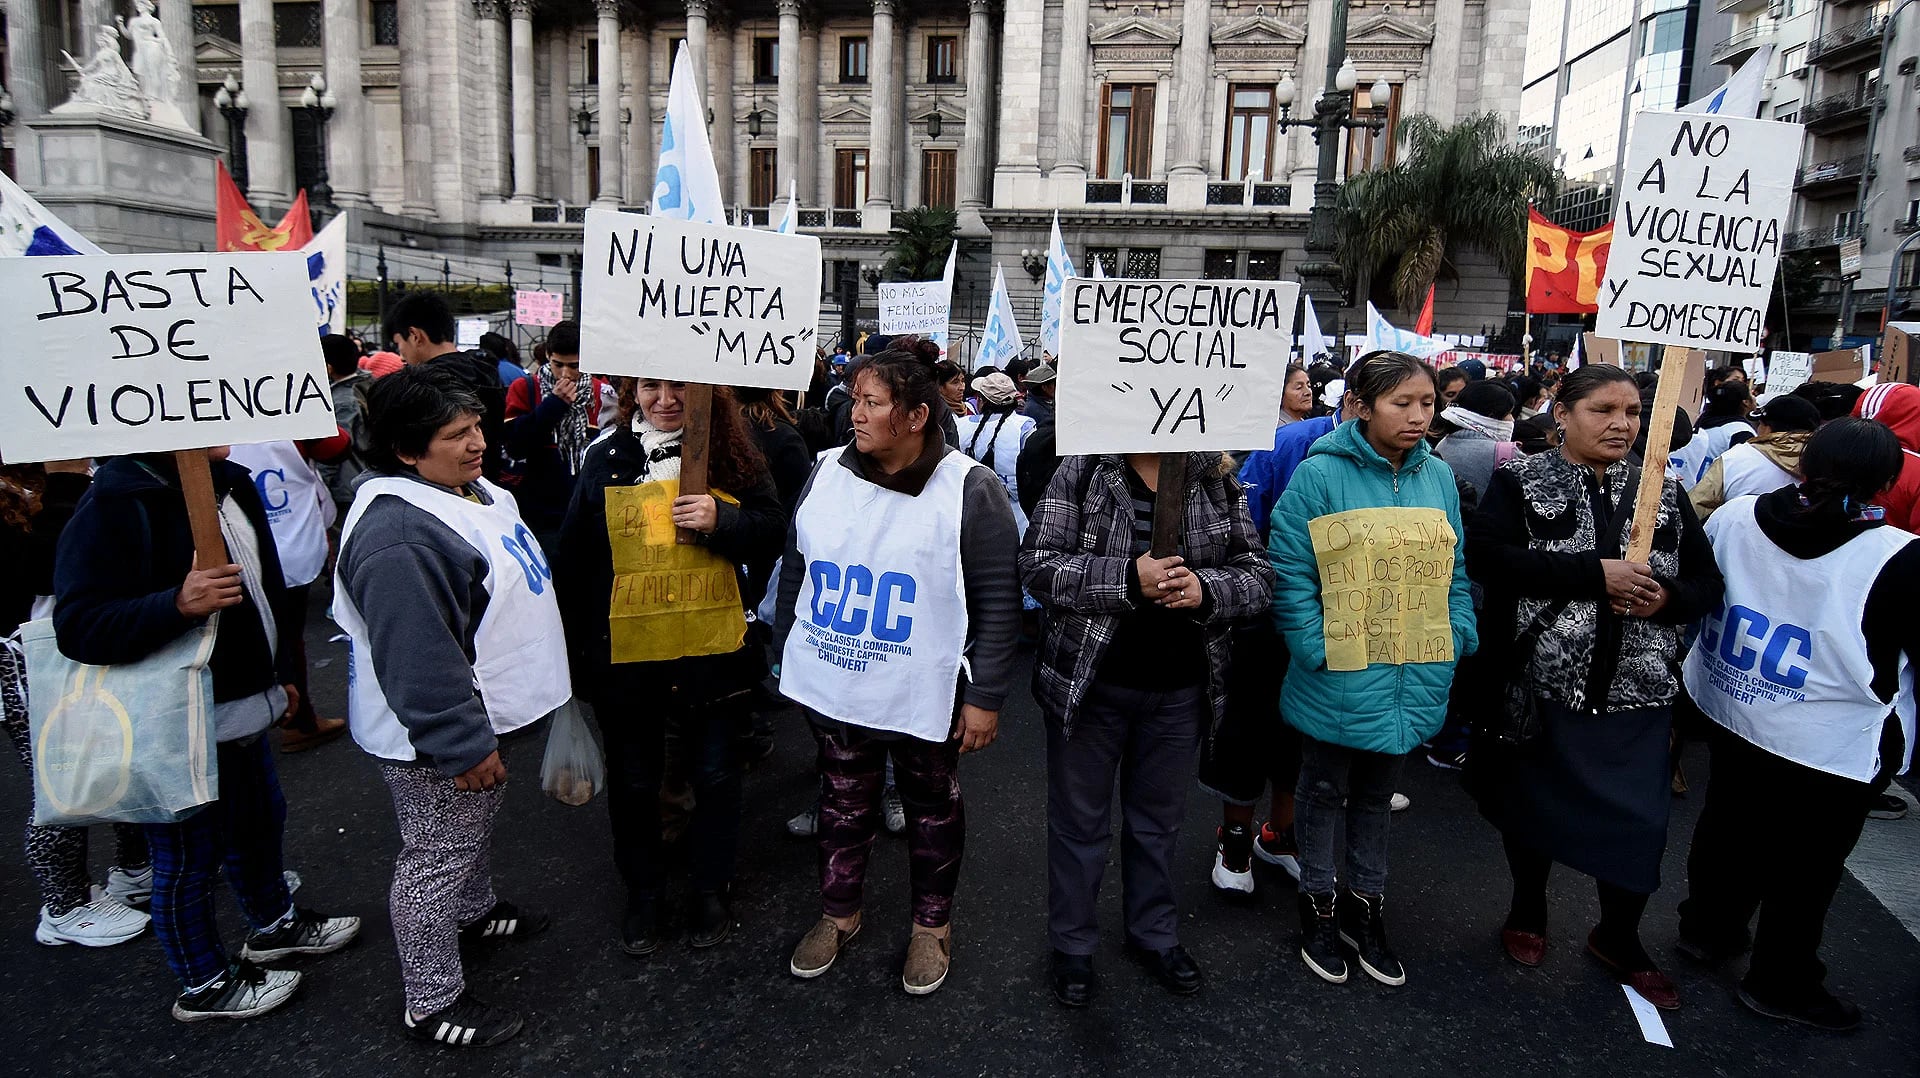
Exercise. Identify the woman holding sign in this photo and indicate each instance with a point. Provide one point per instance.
(1576, 769)
(898, 615)
(1373, 602)
(658, 632)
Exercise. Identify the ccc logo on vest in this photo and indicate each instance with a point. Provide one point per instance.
(1746, 640)
(843, 599)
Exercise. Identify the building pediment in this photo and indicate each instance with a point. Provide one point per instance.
(848, 113)
(1259, 30)
(1135, 30)
(1386, 29)
(214, 49)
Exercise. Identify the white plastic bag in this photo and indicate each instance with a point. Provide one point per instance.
(574, 769)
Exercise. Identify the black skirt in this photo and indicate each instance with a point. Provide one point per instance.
(1593, 793)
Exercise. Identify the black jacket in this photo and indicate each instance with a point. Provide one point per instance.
(790, 462)
(123, 558)
(28, 552)
(583, 578)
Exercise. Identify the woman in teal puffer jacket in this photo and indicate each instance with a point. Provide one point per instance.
(1372, 600)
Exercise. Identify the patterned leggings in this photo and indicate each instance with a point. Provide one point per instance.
(57, 855)
(443, 878)
(852, 766)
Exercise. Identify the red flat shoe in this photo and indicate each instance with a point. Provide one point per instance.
(1526, 948)
(1657, 988)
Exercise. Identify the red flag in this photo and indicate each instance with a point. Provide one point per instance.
(1424, 324)
(1564, 268)
(237, 228)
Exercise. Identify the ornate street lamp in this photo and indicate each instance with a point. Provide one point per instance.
(319, 103)
(1034, 262)
(231, 100)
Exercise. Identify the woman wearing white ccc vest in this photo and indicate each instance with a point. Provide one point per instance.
(456, 639)
(1807, 672)
(897, 618)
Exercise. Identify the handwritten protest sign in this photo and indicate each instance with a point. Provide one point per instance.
(1172, 366)
(1696, 235)
(1788, 371)
(113, 354)
(669, 600)
(468, 331)
(694, 302)
(1384, 580)
(915, 307)
(536, 308)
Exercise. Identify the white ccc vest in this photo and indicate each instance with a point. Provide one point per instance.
(880, 627)
(1690, 462)
(298, 506)
(520, 649)
(1783, 663)
(1746, 470)
(1006, 448)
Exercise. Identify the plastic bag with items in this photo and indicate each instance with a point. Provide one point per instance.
(574, 769)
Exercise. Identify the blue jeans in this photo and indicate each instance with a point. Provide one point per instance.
(1338, 783)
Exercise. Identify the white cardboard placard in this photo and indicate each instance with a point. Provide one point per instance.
(919, 307)
(1172, 366)
(468, 331)
(692, 302)
(115, 354)
(1696, 234)
(1788, 371)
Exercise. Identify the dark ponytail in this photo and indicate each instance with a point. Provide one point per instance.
(1849, 462)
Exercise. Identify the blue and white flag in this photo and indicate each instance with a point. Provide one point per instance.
(327, 273)
(1000, 340)
(792, 220)
(1313, 342)
(1739, 95)
(686, 185)
(28, 228)
(1059, 268)
(1383, 335)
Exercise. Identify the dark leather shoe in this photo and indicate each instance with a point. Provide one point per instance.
(709, 919)
(1174, 968)
(1655, 986)
(1526, 948)
(1073, 981)
(639, 929)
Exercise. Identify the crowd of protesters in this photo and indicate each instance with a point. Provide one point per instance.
(910, 506)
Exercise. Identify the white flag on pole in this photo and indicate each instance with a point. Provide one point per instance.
(1000, 340)
(28, 228)
(1574, 360)
(1383, 335)
(1314, 343)
(686, 184)
(1739, 95)
(1059, 268)
(1099, 270)
(945, 332)
(327, 273)
(792, 220)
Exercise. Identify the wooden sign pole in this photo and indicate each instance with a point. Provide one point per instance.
(1169, 505)
(694, 446)
(203, 512)
(1677, 366)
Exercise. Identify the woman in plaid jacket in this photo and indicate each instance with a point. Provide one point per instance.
(1133, 661)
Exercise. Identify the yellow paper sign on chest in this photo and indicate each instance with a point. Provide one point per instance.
(1384, 579)
(669, 601)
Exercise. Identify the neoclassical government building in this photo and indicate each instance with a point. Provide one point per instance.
(481, 129)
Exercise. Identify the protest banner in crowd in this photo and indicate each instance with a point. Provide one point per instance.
(1788, 371)
(922, 307)
(693, 302)
(669, 599)
(535, 308)
(1165, 366)
(468, 331)
(1384, 579)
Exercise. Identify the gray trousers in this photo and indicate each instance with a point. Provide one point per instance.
(1152, 739)
(442, 880)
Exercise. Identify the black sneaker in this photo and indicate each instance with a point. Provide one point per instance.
(505, 921)
(640, 928)
(1320, 939)
(1363, 927)
(1814, 1007)
(1887, 807)
(306, 933)
(709, 919)
(244, 991)
(465, 1023)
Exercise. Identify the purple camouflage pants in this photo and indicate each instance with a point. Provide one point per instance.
(853, 767)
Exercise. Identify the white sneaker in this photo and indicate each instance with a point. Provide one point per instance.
(130, 888)
(1226, 879)
(96, 924)
(1401, 802)
(805, 825)
(895, 811)
(244, 991)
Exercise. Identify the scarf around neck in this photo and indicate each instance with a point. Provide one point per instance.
(662, 450)
(574, 433)
(1500, 430)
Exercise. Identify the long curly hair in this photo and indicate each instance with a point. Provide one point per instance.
(20, 489)
(734, 461)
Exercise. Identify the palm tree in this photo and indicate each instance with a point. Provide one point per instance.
(1454, 187)
(921, 240)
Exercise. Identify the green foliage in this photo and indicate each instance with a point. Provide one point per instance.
(363, 297)
(921, 239)
(1452, 187)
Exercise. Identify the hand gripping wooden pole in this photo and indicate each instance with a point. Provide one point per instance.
(1169, 505)
(1681, 373)
(694, 447)
(203, 512)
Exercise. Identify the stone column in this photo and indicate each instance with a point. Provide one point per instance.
(884, 115)
(696, 45)
(176, 20)
(525, 161)
(496, 59)
(268, 181)
(1016, 180)
(787, 124)
(810, 116)
(610, 127)
(346, 150)
(416, 109)
(26, 59)
(720, 103)
(973, 144)
(640, 148)
(1309, 75)
(1070, 114)
(1190, 108)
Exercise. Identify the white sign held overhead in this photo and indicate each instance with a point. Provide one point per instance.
(922, 307)
(468, 331)
(1788, 371)
(1172, 365)
(1696, 235)
(150, 353)
(693, 302)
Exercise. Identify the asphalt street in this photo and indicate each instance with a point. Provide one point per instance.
(735, 1009)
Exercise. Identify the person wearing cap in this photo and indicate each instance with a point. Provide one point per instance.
(1767, 462)
(1039, 456)
(996, 436)
(1040, 385)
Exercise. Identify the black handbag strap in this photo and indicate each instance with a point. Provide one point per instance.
(1606, 544)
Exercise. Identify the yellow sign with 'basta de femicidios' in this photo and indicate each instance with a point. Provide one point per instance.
(669, 601)
(1384, 579)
